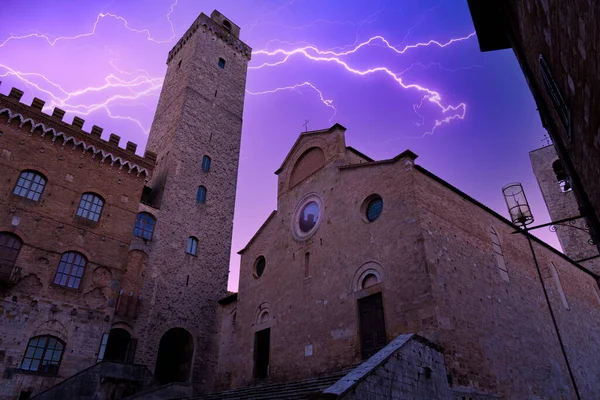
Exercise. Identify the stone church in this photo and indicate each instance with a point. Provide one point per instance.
(371, 279)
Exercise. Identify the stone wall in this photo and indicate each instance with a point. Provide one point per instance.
(49, 227)
(498, 334)
(199, 113)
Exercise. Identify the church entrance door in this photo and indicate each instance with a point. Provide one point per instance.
(174, 359)
(262, 340)
(372, 324)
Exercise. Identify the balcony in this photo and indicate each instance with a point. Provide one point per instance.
(128, 305)
(9, 275)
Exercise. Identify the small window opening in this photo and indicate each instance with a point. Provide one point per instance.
(561, 176)
(192, 246)
(502, 269)
(187, 281)
(206, 163)
(201, 195)
(307, 264)
(221, 63)
(259, 266)
(215, 93)
(559, 287)
(179, 64)
(227, 25)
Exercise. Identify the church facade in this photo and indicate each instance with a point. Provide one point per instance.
(360, 252)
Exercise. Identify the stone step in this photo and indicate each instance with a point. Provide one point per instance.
(280, 391)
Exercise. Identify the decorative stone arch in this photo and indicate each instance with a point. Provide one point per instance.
(367, 273)
(263, 316)
(51, 327)
(123, 325)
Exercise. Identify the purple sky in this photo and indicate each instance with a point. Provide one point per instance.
(60, 48)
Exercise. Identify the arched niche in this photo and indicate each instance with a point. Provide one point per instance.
(307, 164)
(175, 355)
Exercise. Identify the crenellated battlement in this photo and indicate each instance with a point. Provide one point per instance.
(107, 150)
(209, 24)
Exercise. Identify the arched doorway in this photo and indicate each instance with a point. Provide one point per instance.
(117, 346)
(174, 359)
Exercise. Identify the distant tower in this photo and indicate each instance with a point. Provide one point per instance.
(561, 202)
(196, 135)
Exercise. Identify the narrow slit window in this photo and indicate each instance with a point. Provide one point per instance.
(561, 176)
(307, 264)
(192, 246)
(559, 287)
(206, 163)
(499, 255)
(201, 195)
(553, 91)
(221, 63)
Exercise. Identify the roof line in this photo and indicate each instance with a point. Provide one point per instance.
(262, 227)
(404, 154)
(501, 218)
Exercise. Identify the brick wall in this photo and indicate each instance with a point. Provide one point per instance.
(562, 33)
(561, 205)
(49, 227)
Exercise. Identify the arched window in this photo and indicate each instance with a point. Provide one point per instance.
(90, 206)
(499, 255)
(192, 246)
(10, 246)
(201, 194)
(144, 226)
(206, 163)
(70, 270)
(221, 63)
(30, 185)
(561, 108)
(227, 25)
(43, 355)
(561, 176)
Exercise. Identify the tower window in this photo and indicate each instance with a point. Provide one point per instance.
(502, 269)
(144, 226)
(561, 176)
(43, 355)
(192, 246)
(30, 185)
(227, 25)
(221, 63)
(70, 270)
(90, 206)
(201, 195)
(259, 266)
(206, 163)
(561, 108)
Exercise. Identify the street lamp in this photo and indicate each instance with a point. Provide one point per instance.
(520, 215)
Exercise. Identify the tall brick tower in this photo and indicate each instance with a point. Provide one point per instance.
(562, 204)
(196, 135)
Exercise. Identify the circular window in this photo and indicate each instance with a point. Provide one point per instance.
(259, 266)
(372, 207)
(307, 217)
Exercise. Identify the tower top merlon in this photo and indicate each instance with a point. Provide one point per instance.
(218, 25)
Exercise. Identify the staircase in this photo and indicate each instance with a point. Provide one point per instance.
(301, 390)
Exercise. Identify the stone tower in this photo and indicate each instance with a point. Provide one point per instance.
(196, 135)
(562, 204)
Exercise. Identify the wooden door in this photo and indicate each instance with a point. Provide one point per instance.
(372, 325)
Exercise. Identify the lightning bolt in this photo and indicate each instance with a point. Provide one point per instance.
(327, 103)
(100, 16)
(313, 53)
